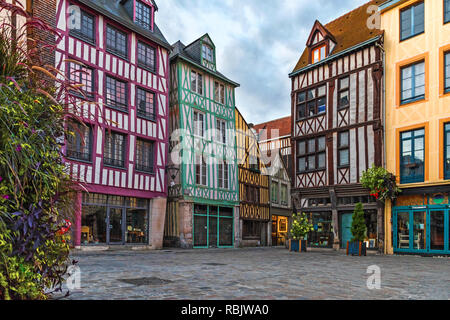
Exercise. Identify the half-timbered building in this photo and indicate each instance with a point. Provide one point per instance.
(119, 146)
(337, 126)
(203, 205)
(254, 224)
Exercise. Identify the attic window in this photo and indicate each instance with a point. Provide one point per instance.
(207, 53)
(143, 15)
(319, 54)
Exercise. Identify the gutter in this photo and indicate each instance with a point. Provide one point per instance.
(204, 69)
(333, 57)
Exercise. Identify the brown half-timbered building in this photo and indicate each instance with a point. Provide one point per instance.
(337, 127)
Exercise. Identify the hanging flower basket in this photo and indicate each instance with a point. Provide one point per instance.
(381, 183)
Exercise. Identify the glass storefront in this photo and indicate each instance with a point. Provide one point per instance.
(114, 220)
(422, 230)
(322, 236)
(213, 226)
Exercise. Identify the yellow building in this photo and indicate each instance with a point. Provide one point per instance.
(417, 101)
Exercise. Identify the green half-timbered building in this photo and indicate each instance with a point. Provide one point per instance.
(203, 204)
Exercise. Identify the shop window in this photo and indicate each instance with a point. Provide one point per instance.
(79, 144)
(145, 102)
(86, 30)
(144, 156)
(447, 150)
(251, 230)
(146, 55)
(412, 161)
(372, 226)
(322, 235)
(115, 144)
(343, 149)
(116, 94)
(93, 224)
(311, 155)
(312, 102)
(136, 226)
(412, 21)
(196, 82)
(413, 83)
(116, 42)
(318, 202)
(344, 93)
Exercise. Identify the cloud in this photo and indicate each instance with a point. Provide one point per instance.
(258, 42)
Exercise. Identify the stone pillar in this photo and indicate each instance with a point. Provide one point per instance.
(158, 212)
(237, 227)
(335, 224)
(186, 212)
(269, 232)
(77, 223)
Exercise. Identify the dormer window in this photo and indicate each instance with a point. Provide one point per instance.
(207, 53)
(143, 15)
(319, 54)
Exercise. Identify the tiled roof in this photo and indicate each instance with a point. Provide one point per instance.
(282, 124)
(115, 10)
(192, 53)
(349, 30)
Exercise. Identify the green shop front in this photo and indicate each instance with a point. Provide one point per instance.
(421, 224)
(213, 226)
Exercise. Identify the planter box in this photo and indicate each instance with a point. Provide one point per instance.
(297, 245)
(356, 248)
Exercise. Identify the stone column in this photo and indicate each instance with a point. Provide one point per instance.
(335, 224)
(186, 212)
(158, 212)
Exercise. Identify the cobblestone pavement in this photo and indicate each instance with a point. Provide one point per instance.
(257, 273)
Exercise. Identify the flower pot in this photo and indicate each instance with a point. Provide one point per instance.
(356, 248)
(297, 245)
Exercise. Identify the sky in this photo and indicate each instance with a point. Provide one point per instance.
(258, 43)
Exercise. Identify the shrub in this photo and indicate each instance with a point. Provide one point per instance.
(300, 226)
(359, 229)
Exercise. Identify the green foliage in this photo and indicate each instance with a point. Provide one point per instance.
(359, 229)
(382, 183)
(300, 226)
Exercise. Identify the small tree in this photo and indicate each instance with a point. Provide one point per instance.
(300, 226)
(359, 229)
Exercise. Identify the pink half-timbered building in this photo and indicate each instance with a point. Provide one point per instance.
(119, 149)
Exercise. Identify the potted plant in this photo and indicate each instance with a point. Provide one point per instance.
(359, 230)
(300, 228)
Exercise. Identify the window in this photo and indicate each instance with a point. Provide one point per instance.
(199, 124)
(223, 175)
(86, 30)
(344, 96)
(319, 54)
(116, 94)
(80, 74)
(196, 82)
(143, 15)
(343, 149)
(311, 155)
(447, 150)
(251, 230)
(413, 83)
(144, 156)
(207, 53)
(412, 160)
(116, 41)
(412, 21)
(146, 56)
(274, 192)
(145, 104)
(312, 102)
(284, 198)
(253, 162)
(79, 143)
(447, 72)
(114, 149)
(446, 11)
(221, 131)
(200, 170)
(219, 92)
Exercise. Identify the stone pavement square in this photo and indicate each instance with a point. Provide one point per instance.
(256, 273)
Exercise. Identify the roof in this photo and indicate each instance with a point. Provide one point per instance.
(349, 30)
(282, 124)
(192, 54)
(115, 10)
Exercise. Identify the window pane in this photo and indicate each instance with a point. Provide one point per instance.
(302, 97)
(321, 105)
(301, 147)
(321, 142)
(419, 18)
(406, 21)
(447, 69)
(311, 162)
(143, 15)
(447, 11)
(311, 146)
(301, 111)
(311, 94)
(311, 108)
(343, 139)
(322, 160)
(344, 83)
(343, 98)
(322, 91)
(344, 157)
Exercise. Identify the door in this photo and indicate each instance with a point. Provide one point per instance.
(115, 221)
(436, 233)
(346, 228)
